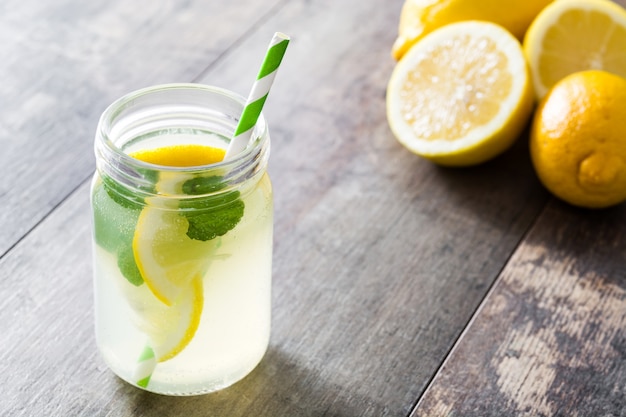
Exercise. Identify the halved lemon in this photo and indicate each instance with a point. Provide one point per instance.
(461, 95)
(575, 35)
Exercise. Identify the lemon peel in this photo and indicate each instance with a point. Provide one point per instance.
(578, 139)
(420, 17)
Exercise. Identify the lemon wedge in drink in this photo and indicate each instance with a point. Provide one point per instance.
(186, 155)
(169, 328)
(171, 263)
(167, 258)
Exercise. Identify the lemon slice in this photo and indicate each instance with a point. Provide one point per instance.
(575, 35)
(171, 264)
(185, 155)
(166, 257)
(170, 328)
(461, 95)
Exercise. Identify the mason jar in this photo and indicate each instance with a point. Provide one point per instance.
(182, 250)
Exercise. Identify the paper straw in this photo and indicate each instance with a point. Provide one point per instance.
(260, 90)
(145, 367)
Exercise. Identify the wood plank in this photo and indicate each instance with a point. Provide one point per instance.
(380, 257)
(550, 339)
(63, 62)
(415, 245)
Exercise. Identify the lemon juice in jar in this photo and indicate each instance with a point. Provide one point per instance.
(182, 241)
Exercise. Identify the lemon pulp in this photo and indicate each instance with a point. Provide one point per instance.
(575, 35)
(447, 85)
(461, 95)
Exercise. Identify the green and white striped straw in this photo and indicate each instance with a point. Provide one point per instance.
(145, 366)
(258, 95)
(147, 361)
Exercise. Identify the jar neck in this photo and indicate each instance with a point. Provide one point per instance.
(179, 112)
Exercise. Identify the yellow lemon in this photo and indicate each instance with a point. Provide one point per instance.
(171, 264)
(185, 155)
(578, 139)
(575, 35)
(166, 257)
(169, 328)
(420, 17)
(461, 95)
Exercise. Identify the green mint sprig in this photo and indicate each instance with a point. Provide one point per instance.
(211, 216)
(115, 218)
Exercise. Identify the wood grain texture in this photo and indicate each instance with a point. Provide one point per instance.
(63, 62)
(380, 257)
(550, 339)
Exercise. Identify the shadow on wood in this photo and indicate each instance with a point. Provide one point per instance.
(288, 379)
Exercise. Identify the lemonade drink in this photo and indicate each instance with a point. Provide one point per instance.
(182, 241)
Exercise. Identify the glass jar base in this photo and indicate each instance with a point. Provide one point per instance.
(164, 386)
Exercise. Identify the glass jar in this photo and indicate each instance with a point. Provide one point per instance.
(182, 255)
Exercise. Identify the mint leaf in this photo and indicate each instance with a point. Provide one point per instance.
(127, 265)
(127, 198)
(119, 194)
(211, 216)
(210, 224)
(115, 219)
(203, 185)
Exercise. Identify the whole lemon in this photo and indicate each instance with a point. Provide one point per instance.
(578, 139)
(420, 17)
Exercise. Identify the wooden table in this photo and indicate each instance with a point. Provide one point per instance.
(399, 288)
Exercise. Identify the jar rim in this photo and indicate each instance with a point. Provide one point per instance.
(116, 107)
(193, 109)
